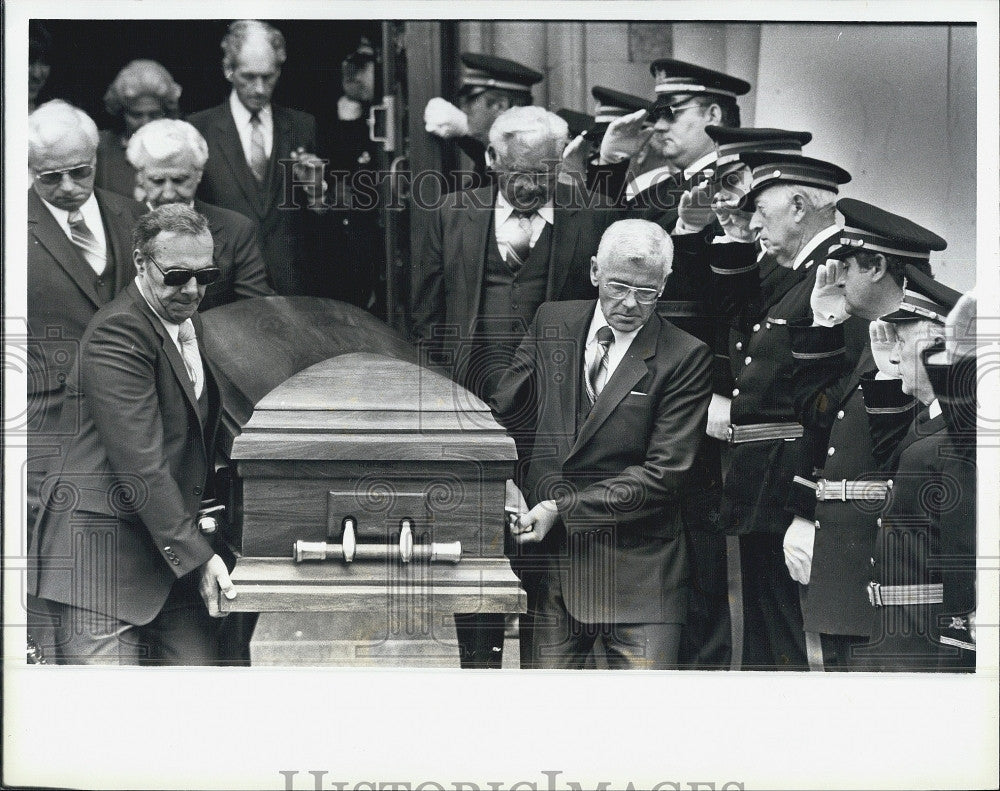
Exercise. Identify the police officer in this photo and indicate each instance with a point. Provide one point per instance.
(829, 541)
(907, 579)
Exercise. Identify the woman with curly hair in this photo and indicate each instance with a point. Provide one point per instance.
(142, 92)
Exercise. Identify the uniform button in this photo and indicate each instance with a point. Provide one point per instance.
(736, 392)
(767, 326)
(756, 327)
(830, 452)
(166, 549)
(879, 523)
(175, 561)
(816, 523)
(198, 490)
(888, 483)
(739, 346)
(840, 415)
(747, 361)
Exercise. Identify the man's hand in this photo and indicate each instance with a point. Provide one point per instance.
(695, 207)
(828, 303)
(573, 168)
(735, 222)
(533, 526)
(960, 329)
(213, 577)
(798, 546)
(719, 417)
(308, 171)
(443, 119)
(883, 340)
(624, 138)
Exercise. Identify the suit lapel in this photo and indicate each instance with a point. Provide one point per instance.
(281, 147)
(170, 350)
(571, 369)
(43, 226)
(114, 218)
(232, 150)
(565, 239)
(629, 372)
(475, 238)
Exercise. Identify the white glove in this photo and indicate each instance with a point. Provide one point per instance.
(444, 119)
(883, 339)
(719, 417)
(624, 137)
(827, 300)
(798, 546)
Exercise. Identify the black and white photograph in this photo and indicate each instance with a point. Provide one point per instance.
(382, 382)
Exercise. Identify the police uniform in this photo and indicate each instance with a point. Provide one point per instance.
(912, 626)
(655, 194)
(768, 427)
(488, 72)
(838, 484)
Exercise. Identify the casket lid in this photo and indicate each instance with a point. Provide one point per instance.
(371, 407)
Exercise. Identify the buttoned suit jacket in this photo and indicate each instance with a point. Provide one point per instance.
(62, 300)
(448, 272)
(119, 522)
(236, 252)
(618, 478)
(228, 182)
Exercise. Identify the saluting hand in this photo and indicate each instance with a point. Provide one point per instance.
(533, 526)
(735, 222)
(827, 300)
(573, 167)
(883, 341)
(960, 328)
(624, 138)
(695, 206)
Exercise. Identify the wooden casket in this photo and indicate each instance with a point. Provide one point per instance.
(365, 492)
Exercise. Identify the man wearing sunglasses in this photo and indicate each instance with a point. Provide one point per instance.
(615, 399)
(125, 573)
(79, 257)
(688, 98)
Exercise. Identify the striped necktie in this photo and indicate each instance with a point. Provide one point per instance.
(597, 375)
(86, 242)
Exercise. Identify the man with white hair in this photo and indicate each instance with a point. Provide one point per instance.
(79, 258)
(616, 400)
(793, 199)
(169, 157)
(488, 258)
(256, 149)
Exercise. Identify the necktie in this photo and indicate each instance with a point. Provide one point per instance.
(86, 242)
(258, 157)
(597, 375)
(519, 238)
(192, 358)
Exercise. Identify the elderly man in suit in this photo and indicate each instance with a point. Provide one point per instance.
(256, 150)
(490, 256)
(120, 562)
(79, 257)
(169, 158)
(616, 399)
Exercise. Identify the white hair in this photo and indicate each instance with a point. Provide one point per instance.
(640, 241)
(530, 127)
(819, 199)
(52, 121)
(165, 139)
(241, 31)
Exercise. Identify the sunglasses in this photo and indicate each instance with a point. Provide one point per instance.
(51, 178)
(178, 276)
(644, 296)
(670, 112)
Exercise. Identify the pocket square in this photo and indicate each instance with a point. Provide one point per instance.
(636, 392)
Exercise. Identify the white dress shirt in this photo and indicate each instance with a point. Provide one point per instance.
(173, 330)
(623, 340)
(241, 115)
(503, 214)
(91, 215)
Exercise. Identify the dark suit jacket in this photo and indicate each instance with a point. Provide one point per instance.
(228, 182)
(237, 254)
(61, 302)
(448, 269)
(118, 527)
(618, 480)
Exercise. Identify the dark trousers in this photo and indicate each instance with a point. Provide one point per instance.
(560, 642)
(773, 636)
(480, 639)
(182, 633)
(706, 640)
(839, 652)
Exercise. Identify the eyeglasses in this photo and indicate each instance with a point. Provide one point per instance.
(51, 178)
(644, 296)
(670, 112)
(178, 276)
